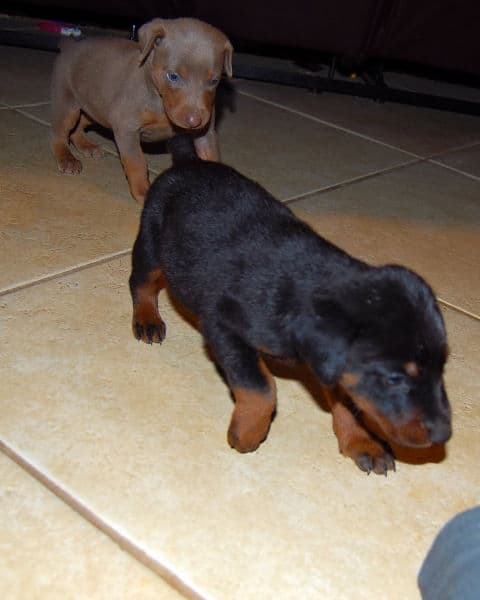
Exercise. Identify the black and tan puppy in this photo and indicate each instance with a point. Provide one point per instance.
(260, 281)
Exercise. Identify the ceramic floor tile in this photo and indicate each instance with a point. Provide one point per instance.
(49, 552)
(291, 155)
(466, 160)
(297, 157)
(52, 222)
(25, 75)
(137, 434)
(422, 131)
(424, 216)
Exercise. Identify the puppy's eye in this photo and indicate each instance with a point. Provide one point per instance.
(172, 76)
(213, 82)
(394, 378)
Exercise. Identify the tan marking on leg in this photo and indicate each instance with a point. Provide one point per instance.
(136, 171)
(252, 415)
(147, 323)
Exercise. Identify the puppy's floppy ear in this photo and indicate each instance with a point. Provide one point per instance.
(322, 340)
(148, 34)
(227, 58)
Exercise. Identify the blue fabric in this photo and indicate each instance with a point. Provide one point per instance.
(451, 570)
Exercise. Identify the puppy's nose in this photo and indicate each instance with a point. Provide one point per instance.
(440, 431)
(193, 120)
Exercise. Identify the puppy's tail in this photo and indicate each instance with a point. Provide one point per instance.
(182, 149)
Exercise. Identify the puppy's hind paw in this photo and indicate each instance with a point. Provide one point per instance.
(70, 165)
(150, 333)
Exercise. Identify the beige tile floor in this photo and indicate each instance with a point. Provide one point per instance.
(116, 481)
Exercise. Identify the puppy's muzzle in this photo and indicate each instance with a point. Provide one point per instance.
(419, 432)
(193, 119)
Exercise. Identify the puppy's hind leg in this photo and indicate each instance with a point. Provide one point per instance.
(65, 116)
(252, 385)
(81, 141)
(146, 281)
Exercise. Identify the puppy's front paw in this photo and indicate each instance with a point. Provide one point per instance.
(249, 426)
(372, 456)
(149, 332)
(243, 441)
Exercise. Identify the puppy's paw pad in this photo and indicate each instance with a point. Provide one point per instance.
(150, 333)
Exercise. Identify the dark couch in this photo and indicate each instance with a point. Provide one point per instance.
(440, 33)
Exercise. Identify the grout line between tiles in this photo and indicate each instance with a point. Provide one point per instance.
(459, 309)
(327, 123)
(352, 181)
(32, 117)
(57, 274)
(432, 159)
(135, 550)
(108, 150)
(454, 149)
(28, 105)
(454, 169)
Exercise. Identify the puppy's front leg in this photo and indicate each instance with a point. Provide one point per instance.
(134, 163)
(253, 388)
(207, 146)
(254, 409)
(147, 324)
(354, 440)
